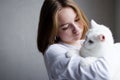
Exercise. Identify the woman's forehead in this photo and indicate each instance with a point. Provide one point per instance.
(66, 15)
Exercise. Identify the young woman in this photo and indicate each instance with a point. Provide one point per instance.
(62, 27)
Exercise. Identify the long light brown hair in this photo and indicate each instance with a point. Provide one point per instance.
(48, 24)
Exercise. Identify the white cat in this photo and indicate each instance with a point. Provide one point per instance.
(98, 38)
(99, 42)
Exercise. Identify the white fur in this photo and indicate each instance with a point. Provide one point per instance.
(102, 46)
(99, 42)
(97, 48)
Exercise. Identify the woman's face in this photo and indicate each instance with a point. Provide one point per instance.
(70, 27)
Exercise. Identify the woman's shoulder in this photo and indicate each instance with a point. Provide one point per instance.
(56, 49)
(57, 46)
(61, 47)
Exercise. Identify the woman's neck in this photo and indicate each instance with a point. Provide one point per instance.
(75, 43)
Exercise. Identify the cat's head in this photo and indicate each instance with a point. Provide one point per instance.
(98, 35)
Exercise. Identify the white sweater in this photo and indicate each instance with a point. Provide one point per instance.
(60, 67)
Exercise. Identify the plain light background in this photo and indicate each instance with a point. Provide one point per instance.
(19, 56)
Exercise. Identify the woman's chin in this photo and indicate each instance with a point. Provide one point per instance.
(77, 37)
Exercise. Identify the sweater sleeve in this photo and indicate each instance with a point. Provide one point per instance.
(61, 68)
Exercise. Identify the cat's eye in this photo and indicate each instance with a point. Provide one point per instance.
(90, 41)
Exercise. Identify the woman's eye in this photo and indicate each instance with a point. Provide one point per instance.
(77, 19)
(65, 27)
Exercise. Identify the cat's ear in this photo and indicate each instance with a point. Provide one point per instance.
(93, 24)
(101, 37)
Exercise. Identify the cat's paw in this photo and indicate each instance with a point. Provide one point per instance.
(71, 53)
(87, 61)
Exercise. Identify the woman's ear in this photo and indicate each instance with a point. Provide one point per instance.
(101, 37)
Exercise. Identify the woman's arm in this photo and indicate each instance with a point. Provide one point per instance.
(61, 68)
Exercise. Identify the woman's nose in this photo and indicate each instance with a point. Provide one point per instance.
(75, 28)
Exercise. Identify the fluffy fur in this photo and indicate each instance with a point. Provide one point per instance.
(99, 42)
